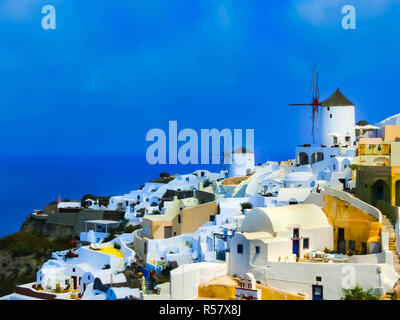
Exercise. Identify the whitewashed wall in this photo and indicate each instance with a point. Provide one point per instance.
(186, 278)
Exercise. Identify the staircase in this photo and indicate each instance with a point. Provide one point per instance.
(387, 226)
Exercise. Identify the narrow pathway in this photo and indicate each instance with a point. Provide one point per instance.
(388, 226)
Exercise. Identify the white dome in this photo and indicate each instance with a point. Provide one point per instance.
(277, 219)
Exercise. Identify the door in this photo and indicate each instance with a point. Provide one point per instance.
(296, 247)
(74, 280)
(341, 242)
(317, 292)
(296, 242)
(167, 232)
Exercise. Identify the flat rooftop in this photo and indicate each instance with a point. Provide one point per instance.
(102, 221)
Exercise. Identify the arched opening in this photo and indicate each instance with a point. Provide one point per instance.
(302, 158)
(379, 192)
(346, 164)
(379, 161)
(397, 190)
(316, 157)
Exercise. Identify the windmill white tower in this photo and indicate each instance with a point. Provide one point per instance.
(337, 123)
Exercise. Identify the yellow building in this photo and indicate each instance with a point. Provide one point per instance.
(182, 216)
(356, 225)
(377, 171)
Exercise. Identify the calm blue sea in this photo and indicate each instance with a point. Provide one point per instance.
(29, 182)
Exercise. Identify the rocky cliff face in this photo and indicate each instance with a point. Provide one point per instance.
(23, 253)
(48, 230)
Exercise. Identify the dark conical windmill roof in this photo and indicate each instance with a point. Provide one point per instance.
(337, 99)
(242, 150)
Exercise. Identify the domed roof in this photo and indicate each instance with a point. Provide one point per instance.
(241, 150)
(277, 219)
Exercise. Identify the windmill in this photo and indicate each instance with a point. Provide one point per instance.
(223, 155)
(315, 102)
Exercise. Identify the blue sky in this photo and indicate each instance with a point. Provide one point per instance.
(112, 70)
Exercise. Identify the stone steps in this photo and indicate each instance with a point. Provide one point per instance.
(388, 227)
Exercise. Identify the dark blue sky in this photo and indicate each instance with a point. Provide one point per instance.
(112, 70)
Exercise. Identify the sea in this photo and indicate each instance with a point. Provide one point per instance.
(30, 181)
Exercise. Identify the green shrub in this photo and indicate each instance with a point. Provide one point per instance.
(326, 250)
(29, 243)
(207, 183)
(164, 175)
(246, 205)
(130, 228)
(358, 293)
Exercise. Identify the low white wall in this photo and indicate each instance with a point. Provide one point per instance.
(186, 278)
(315, 198)
(369, 258)
(299, 277)
(397, 232)
(129, 254)
(96, 259)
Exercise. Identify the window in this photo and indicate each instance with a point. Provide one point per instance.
(295, 232)
(73, 269)
(306, 243)
(330, 116)
(334, 167)
(212, 218)
(257, 249)
(240, 248)
(347, 139)
(179, 218)
(352, 244)
(145, 248)
(318, 278)
(329, 108)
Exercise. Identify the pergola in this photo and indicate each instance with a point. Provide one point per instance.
(103, 223)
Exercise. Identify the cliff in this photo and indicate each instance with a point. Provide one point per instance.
(22, 253)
